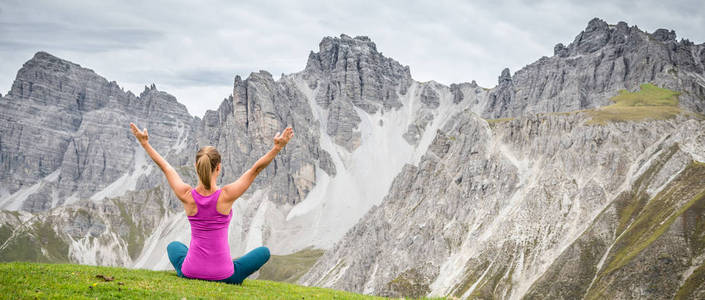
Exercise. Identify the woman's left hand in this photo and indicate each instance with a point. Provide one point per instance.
(280, 140)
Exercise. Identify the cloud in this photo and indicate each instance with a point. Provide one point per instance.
(54, 35)
(194, 49)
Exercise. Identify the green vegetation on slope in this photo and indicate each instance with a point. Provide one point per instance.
(648, 95)
(630, 203)
(685, 191)
(649, 103)
(36, 243)
(665, 207)
(692, 283)
(135, 235)
(30, 280)
(289, 268)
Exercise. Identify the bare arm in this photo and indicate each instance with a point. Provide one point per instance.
(180, 188)
(234, 190)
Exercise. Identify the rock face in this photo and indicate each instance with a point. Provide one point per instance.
(349, 73)
(244, 124)
(545, 206)
(407, 187)
(600, 61)
(488, 208)
(63, 132)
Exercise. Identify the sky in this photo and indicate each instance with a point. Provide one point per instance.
(194, 49)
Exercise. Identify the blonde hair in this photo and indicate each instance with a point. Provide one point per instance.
(207, 159)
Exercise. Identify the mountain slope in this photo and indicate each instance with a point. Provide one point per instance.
(526, 190)
(493, 209)
(602, 59)
(412, 188)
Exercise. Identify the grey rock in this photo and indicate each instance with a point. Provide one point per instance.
(594, 37)
(560, 50)
(243, 127)
(350, 72)
(477, 200)
(415, 130)
(61, 117)
(430, 97)
(342, 124)
(602, 60)
(458, 95)
(663, 35)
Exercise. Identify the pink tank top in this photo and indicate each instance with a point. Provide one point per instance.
(208, 257)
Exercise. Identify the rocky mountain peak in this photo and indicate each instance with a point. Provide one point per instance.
(598, 34)
(504, 77)
(596, 24)
(333, 49)
(350, 72)
(594, 37)
(88, 146)
(45, 68)
(358, 44)
(600, 61)
(148, 89)
(664, 35)
(47, 59)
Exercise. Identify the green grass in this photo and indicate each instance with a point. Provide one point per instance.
(630, 203)
(648, 95)
(20, 280)
(692, 283)
(289, 268)
(664, 207)
(650, 222)
(649, 103)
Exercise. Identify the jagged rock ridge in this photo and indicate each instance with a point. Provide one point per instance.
(408, 169)
(601, 60)
(536, 206)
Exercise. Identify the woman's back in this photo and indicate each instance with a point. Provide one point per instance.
(209, 254)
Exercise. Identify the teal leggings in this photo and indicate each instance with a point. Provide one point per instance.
(244, 266)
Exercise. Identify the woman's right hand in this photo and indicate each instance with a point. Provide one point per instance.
(280, 140)
(142, 136)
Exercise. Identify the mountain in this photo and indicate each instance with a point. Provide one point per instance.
(549, 205)
(601, 60)
(579, 176)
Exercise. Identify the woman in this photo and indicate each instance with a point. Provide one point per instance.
(209, 210)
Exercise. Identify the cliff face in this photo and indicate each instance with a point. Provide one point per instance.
(513, 209)
(349, 73)
(547, 205)
(63, 134)
(406, 186)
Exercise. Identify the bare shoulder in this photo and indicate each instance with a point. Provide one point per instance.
(225, 195)
(186, 196)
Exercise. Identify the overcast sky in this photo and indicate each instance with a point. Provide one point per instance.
(194, 49)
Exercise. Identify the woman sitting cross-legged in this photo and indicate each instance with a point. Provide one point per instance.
(209, 210)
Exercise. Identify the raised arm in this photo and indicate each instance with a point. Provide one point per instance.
(180, 188)
(234, 190)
